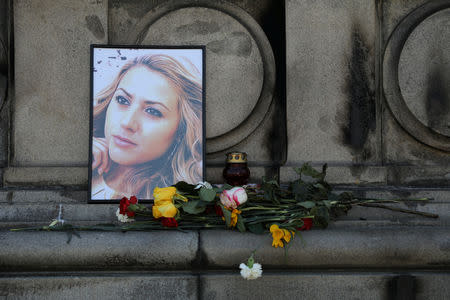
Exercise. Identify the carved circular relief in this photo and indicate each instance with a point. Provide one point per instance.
(415, 74)
(423, 72)
(240, 67)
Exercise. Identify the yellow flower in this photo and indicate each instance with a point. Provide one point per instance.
(277, 243)
(163, 202)
(279, 234)
(234, 216)
(163, 194)
(167, 210)
(288, 235)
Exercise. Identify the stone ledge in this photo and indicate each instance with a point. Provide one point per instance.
(97, 250)
(398, 247)
(100, 286)
(323, 285)
(217, 285)
(394, 247)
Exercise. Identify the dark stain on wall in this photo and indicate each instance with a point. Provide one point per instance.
(437, 103)
(95, 26)
(198, 27)
(238, 43)
(361, 110)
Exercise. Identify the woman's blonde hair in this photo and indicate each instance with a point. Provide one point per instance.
(183, 159)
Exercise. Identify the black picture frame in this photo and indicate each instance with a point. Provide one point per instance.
(113, 62)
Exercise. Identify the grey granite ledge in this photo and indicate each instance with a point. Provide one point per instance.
(415, 247)
(217, 285)
(320, 286)
(112, 286)
(394, 247)
(97, 250)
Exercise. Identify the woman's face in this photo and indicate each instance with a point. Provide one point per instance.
(142, 117)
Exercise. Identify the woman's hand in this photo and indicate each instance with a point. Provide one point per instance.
(100, 156)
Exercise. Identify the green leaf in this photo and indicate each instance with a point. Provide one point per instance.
(193, 207)
(207, 195)
(300, 190)
(321, 216)
(307, 170)
(257, 228)
(240, 223)
(218, 190)
(226, 186)
(327, 203)
(332, 197)
(185, 187)
(226, 214)
(133, 207)
(307, 204)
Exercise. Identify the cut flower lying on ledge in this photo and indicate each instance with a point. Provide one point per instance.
(307, 202)
(267, 208)
(282, 212)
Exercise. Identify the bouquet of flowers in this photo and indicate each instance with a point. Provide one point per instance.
(306, 202)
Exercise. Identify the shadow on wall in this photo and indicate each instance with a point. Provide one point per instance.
(438, 100)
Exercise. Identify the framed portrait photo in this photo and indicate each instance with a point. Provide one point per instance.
(147, 115)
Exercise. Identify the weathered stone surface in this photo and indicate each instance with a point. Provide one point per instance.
(388, 247)
(46, 197)
(423, 72)
(323, 285)
(51, 107)
(97, 250)
(4, 125)
(350, 175)
(416, 175)
(18, 176)
(43, 213)
(331, 109)
(414, 84)
(100, 286)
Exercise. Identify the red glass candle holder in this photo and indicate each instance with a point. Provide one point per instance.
(236, 172)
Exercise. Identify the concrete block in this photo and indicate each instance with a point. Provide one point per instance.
(43, 176)
(330, 59)
(100, 286)
(4, 122)
(48, 197)
(295, 286)
(51, 107)
(43, 213)
(388, 247)
(97, 250)
(349, 175)
(323, 285)
(415, 83)
(417, 175)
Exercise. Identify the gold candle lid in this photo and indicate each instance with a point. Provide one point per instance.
(236, 157)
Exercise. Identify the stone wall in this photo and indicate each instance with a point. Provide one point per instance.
(360, 85)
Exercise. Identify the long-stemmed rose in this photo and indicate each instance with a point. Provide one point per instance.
(234, 197)
(164, 202)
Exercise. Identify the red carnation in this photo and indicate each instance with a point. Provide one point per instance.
(133, 200)
(307, 224)
(169, 222)
(125, 203)
(218, 210)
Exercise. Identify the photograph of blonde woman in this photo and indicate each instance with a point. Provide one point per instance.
(147, 120)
